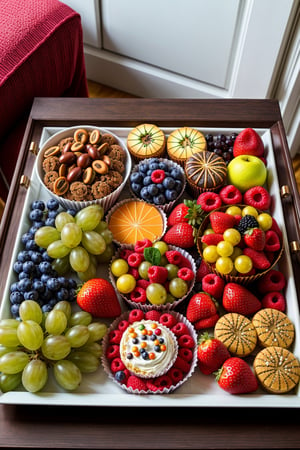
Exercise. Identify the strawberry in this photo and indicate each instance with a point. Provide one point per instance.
(236, 377)
(201, 271)
(259, 259)
(220, 221)
(98, 297)
(187, 211)
(210, 322)
(181, 235)
(212, 238)
(211, 354)
(236, 298)
(200, 306)
(136, 383)
(255, 238)
(248, 142)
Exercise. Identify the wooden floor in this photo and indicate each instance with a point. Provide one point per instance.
(99, 90)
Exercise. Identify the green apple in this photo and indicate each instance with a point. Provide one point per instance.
(246, 171)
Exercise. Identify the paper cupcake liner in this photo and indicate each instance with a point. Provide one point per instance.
(193, 363)
(106, 202)
(137, 159)
(195, 191)
(241, 279)
(148, 306)
(116, 206)
(167, 206)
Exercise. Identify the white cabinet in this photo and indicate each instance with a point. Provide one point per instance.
(188, 48)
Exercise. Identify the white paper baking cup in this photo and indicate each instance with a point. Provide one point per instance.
(148, 306)
(106, 362)
(106, 202)
(167, 206)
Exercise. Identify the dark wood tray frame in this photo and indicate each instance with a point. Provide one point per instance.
(82, 427)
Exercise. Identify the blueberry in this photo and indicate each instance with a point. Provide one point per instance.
(46, 257)
(136, 188)
(28, 266)
(23, 256)
(163, 165)
(46, 295)
(50, 221)
(145, 194)
(160, 187)
(18, 266)
(145, 355)
(178, 185)
(53, 284)
(15, 310)
(14, 287)
(46, 308)
(63, 294)
(39, 223)
(38, 286)
(45, 267)
(31, 245)
(16, 298)
(154, 165)
(153, 189)
(169, 183)
(72, 212)
(136, 177)
(72, 284)
(52, 213)
(25, 285)
(176, 173)
(171, 195)
(120, 376)
(52, 204)
(159, 199)
(24, 275)
(31, 295)
(36, 257)
(143, 167)
(72, 294)
(27, 237)
(147, 180)
(36, 215)
(38, 204)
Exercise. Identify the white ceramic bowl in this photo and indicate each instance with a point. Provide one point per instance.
(106, 202)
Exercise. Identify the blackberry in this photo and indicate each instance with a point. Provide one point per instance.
(247, 222)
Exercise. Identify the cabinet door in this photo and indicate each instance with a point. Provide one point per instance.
(190, 48)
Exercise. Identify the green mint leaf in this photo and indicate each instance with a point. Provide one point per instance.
(152, 255)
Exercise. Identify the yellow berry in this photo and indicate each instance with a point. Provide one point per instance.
(264, 221)
(224, 265)
(224, 248)
(243, 264)
(232, 235)
(234, 210)
(210, 254)
(249, 210)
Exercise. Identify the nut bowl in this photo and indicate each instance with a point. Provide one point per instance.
(82, 165)
(243, 279)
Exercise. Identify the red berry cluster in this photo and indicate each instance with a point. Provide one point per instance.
(175, 375)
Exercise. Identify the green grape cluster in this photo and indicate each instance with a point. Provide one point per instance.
(69, 343)
(77, 242)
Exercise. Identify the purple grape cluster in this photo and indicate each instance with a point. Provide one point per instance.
(37, 279)
(221, 145)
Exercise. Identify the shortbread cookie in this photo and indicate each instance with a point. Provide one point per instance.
(237, 333)
(277, 369)
(273, 328)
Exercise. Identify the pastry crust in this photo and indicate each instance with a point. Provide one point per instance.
(146, 141)
(277, 369)
(273, 328)
(185, 142)
(237, 333)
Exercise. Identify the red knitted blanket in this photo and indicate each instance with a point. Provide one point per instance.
(24, 26)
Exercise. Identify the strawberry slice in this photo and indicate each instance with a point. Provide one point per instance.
(220, 221)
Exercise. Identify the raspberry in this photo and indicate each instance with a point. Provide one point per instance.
(185, 274)
(274, 300)
(136, 383)
(247, 222)
(162, 382)
(202, 270)
(141, 245)
(157, 274)
(123, 325)
(173, 257)
(168, 320)
(274, 280)
(152, 315)
(114, 336)
(125, 253)
(138, 295)
(158, 176)
(186, 354)
(175, 374)
(206, 323)
(213, 284)
(135, 315)
(230, 195)
(143, 283)
(259, 259)
(184, 262)
(275, 227)
(134, 272)
(182, 364)
(212, 238)
(116, 365)
(135, 259)
(112, 351)
(186, 341)
(151, 386)
(209, 201)
(179, 329)
(272, 241)
(258, 197)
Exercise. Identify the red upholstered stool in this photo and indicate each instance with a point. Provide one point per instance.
(41, 55)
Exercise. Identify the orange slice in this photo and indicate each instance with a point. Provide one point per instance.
(133, 220)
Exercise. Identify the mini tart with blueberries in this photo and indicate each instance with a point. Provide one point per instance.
(145, 141)
(171, 362)
(185, 142)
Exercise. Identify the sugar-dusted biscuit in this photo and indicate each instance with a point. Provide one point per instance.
(273, 328)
